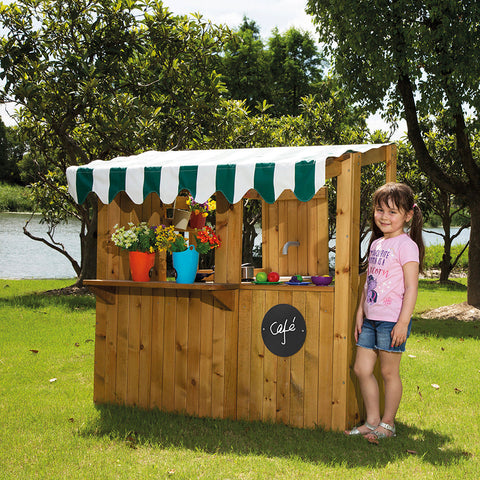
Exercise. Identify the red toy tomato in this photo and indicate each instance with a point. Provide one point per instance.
(273, 277)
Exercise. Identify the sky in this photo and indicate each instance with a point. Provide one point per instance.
(268, 14)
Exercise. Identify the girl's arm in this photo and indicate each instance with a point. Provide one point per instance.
(410, 274)
(359, 316)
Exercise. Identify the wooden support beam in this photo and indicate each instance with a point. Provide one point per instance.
(228, 257)
(346, 285)
(391, 163)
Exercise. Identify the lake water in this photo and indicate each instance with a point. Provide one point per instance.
(21, 257)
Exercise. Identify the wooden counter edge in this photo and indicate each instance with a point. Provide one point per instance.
(98, 283)
(284, 286)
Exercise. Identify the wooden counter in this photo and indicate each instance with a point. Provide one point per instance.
(198, 348)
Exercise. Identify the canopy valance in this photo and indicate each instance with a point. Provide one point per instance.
(233, 172)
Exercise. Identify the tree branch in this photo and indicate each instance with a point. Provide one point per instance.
(465, 152)
(425, 161)
(55, 245)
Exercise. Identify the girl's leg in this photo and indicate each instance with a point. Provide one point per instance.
(364, 364)
(390, 367)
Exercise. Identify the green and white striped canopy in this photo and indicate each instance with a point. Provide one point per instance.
(233, 172)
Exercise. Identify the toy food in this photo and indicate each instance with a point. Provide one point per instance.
(261, 277)
(273, 277)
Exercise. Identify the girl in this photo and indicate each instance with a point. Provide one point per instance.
(383, 319)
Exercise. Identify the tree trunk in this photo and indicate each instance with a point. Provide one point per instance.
(473, 296)
(250, 218)
(248, 241)
(88, 245)
(446, 263)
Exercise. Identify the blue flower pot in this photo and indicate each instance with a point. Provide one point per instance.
(186, 264)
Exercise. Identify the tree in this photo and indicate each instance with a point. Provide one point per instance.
(15, 151)
(245, 66)
(280, 75)
(4, 160)
(431, 199)
(295, 69)
(11, 151)
(420, 58)
(94, 80)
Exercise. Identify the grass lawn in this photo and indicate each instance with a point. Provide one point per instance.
(50, 429)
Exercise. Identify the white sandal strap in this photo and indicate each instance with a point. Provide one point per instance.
(386, 426)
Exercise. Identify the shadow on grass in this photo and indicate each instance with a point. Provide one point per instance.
(436, 286)
(43, 300)
(446, 328)
(138, 428)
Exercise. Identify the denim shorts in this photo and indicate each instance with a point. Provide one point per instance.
(376, 335)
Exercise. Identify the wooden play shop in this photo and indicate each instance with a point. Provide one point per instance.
(202, 348)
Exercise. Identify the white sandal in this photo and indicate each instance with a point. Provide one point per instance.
(387, 427)
(356, 431)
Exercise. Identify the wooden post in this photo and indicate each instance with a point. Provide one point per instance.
(391, 163)
(228, 257)
(346, 285)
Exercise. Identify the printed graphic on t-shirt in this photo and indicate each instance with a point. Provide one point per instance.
(384, 285)
(378, 271)
(371, 293)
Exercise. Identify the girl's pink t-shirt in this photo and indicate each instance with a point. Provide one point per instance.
(385, 286)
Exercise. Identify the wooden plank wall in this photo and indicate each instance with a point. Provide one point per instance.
(112, 264)
(295, 390)
(170, 349)
(288, 219)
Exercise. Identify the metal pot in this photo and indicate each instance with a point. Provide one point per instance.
(247, 272)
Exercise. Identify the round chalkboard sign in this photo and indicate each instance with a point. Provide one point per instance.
(283, 330)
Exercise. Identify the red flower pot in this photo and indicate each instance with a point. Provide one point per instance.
(140, 265)
(197, 220)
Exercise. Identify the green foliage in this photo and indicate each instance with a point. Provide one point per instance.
(15, 198)
(245, 66)
(295, 66)
(11, 151)
(279, 73)
(435, 45)
(434, 254)
(3, 149)
(50, 196)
